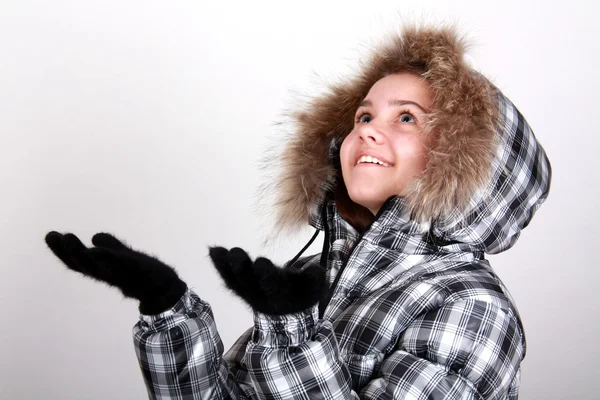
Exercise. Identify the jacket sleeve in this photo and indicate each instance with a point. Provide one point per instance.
(296, 356)
(180, 354)
(465, 350)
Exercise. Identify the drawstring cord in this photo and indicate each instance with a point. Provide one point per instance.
(304, 248)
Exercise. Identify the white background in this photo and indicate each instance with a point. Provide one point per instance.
(147, 120)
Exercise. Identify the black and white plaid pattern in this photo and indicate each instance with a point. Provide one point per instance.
(416, 313)
(519, 184)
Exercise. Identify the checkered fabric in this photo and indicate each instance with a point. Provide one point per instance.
(413, 314)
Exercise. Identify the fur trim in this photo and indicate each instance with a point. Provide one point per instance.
(464, 122)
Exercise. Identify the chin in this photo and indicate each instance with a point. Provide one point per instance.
(369, 200)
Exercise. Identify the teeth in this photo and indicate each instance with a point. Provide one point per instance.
(369, 159)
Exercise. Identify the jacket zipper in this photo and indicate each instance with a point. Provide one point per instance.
(325, 253)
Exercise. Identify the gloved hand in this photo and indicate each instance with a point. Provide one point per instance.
(137, 275)
(266, 287)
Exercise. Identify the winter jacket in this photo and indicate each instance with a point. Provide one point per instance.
(414, 311)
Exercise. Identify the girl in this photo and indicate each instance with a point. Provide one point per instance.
(414, 169)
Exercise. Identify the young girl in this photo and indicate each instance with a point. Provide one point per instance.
(414, 169)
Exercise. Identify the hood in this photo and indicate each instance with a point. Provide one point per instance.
(485, 177)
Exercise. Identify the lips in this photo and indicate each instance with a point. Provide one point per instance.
(372, 154)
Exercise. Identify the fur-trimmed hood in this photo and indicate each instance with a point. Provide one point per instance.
(486, 165)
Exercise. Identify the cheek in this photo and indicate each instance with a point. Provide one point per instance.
(413, 152)
(346, 152)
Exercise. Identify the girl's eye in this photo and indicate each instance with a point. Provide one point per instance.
(407, 117)
(365, 118)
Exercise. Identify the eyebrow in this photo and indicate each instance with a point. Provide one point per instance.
(394, 103)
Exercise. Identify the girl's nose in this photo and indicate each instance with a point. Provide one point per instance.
(370, 133)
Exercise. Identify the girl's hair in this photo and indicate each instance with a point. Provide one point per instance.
(358, 216)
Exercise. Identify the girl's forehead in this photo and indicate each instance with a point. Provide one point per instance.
(399, 87)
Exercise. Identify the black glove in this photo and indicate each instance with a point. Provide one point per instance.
(137, 275)
(267, 288)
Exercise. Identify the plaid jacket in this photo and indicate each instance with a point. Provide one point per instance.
(414, 313)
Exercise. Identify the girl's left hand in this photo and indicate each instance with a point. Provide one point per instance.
(267, 288)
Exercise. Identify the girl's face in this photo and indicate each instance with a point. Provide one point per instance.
(387, 150)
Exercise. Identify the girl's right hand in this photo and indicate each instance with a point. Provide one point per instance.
(138, 275)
